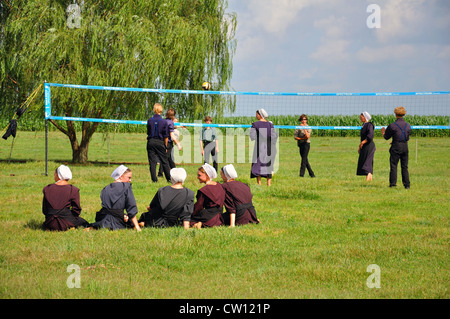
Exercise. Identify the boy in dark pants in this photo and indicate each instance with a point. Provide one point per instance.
(157, 138)
(399, 131)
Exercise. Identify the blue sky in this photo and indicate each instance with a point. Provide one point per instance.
(326, 46)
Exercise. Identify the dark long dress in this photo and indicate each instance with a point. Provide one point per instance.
(116, 197)
(238, 200)
(61, 207)
(264, 151)
(367, 152)
(209, 206)
(169, 207)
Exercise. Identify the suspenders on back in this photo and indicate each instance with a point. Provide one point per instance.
(155, 128)
(403, 137)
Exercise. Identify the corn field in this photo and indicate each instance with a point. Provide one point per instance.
(35, 124)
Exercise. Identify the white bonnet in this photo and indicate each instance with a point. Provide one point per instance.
(263, 113)
(64, 173)
(178, 175)
(366, 115)
(210, 171)
(229, 171)
(119, 172)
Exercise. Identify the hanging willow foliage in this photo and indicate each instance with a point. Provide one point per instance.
(173, 44)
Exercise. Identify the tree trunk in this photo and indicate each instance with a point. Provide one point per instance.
(80, 155)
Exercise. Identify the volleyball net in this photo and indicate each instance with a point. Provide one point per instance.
(237, 109)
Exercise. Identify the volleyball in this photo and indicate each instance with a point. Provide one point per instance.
(206, 86)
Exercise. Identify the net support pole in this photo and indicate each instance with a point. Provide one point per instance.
(47, 107)
(416, 150)
(10, 152)
(46, 147)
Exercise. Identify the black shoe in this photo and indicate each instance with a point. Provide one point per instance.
(392, 185)
(406, 187)
(313, 176)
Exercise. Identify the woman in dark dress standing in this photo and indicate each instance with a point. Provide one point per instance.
(238, 199)
(366, 148)
(264, 152)
(210, 199)
(61, 203)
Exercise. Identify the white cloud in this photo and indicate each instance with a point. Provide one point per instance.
(333, 27)
(275, 16)
(250, 48)
(444, 52)
(385, 53)
(332, 51)
(334, 41)
(326, 45)
(401, 18)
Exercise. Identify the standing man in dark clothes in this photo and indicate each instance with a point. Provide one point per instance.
(399, 131)
(157, 139)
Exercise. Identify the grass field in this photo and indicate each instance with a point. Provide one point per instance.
(316, 239)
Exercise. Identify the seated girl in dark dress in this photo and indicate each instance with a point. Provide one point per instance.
(61, 203)
(210, 199)
(171, 205)
(238, 199)
(117, 197)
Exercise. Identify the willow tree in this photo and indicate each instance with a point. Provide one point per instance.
(149, 44)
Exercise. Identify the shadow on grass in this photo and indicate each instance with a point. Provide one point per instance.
(69, 162)
(34, 224)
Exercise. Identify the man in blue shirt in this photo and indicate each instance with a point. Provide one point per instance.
(157, 138)
(399, 131)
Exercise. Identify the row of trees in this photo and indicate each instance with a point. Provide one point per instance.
(172, 44)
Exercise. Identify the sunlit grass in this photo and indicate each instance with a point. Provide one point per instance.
(316, 239)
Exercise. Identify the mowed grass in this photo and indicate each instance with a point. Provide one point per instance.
(316, 239)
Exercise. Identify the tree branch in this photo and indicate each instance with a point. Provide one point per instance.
(59, 127)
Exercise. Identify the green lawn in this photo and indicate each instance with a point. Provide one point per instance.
(316, 239)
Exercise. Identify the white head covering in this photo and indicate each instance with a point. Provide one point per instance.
(366, 116)
(177, 175)
(210, 171)
(64, 173)
(263, 113)
(229, 172)
(119, 172)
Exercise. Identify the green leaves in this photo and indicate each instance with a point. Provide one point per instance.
(165, 44)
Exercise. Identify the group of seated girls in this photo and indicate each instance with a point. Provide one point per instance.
(171, 206)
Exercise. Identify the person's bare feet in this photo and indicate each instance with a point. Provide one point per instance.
(197, 225)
